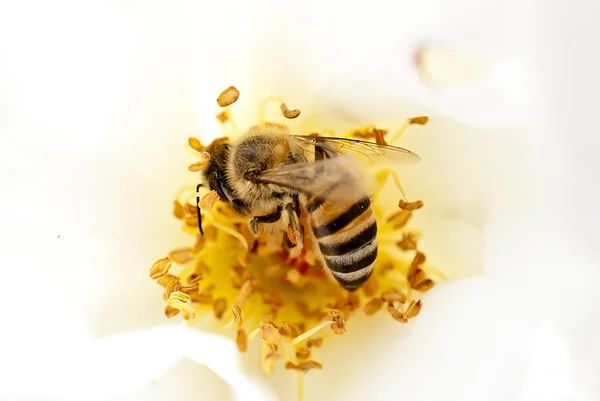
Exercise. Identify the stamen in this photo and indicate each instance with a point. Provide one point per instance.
(402, 204)
(167, 279)
(263, 106)
(237, 315)
(179, 300)
(224, 116)
(387, 172)
(413, 309)
(199, 165)
(393, 296)
(195, 144)
(189, 288)
(160, 268)
(310, 332)
(198, 246)
(241, 340)
(315, 342)
(208, 200)
(370, 132)
(270, 335)
(300, 386)
(178, 210)
(409, 241)
(290, 330)
(253, 333)
(238, 276)
(219, 307)
(170, 312)
(302, 353)
(379, 139)
(287, 113)
(396, 314)
(269, 359)
(173, 286)
(419, 120)
(190, 209)
(228, 97)
(370, 287)
(181, 256)
(399, 219)
(415, 120)
(202, 298)
(372, 306)
(194, 279)
(304, 366)
(245, 291)
(231, 232)
(339, 321)
(416, 276)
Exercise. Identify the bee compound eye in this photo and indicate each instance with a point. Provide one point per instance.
(251, 175)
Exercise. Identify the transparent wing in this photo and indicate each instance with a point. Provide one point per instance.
(364, 150)
(342, 178)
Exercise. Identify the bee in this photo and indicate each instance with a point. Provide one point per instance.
(275, 176)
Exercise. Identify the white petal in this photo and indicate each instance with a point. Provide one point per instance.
(465, 344)
(548, 375)
(373, 67)
(123, 364)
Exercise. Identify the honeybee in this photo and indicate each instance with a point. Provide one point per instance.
(272, 175)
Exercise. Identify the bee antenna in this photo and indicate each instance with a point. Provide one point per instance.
(198, 209)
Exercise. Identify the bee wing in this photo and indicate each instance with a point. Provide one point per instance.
(342, 178)
(368, 151)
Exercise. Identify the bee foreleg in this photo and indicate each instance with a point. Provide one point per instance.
(240, 207)
(294, 226)
(268, 218)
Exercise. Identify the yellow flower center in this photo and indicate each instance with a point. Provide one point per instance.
(282, 298)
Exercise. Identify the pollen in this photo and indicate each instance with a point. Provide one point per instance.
(422, 120)
(270, 335)
(237, 316)
(304, 366)
(338, 322)
(241, 340)
(160, 268)
(287, 113)
(209, 200)
(228, 97)
(266, 293)
(181, 256)
(199, 165)
(410, 206)
(195, 144)
(373, 306)
(303, 353)
(181, 301)
(219, 307)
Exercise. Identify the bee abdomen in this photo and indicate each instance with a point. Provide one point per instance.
(348, 244)
(362, 239)
(353, 268)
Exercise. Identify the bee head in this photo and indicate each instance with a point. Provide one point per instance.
(256, 154)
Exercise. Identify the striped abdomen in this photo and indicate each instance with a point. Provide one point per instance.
(347, 237)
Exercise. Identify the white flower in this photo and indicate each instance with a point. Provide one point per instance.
(99, 106)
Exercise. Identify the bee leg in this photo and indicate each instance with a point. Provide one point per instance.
(268, 218)
(240, 207)
(294, 227)
(286, 241)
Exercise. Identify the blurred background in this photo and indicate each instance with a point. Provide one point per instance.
(96, 97)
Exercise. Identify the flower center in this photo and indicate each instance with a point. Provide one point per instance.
(279, 296)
